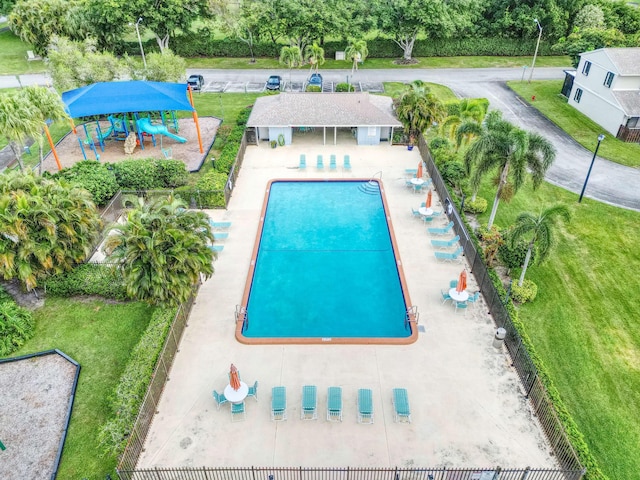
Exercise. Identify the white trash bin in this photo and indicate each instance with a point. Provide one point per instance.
(498, 340)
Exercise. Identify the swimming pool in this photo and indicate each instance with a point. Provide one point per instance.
(325, 268)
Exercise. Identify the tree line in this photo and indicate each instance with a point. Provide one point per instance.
(570, 24)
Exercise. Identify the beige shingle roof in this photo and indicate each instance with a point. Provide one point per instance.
(626, 60)
(629, 100)
(322, 109)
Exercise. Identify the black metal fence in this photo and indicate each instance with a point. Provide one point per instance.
(348, 473)
(534, 389)
(158, 379)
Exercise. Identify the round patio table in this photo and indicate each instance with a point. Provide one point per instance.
(462, 296)
(236, 396)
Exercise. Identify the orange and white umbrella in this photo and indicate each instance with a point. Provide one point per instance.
(428, 203)
(419, 174)
(462, 282)
(234, 378)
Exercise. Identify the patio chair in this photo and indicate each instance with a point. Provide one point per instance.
(219, 224)
(412, 172)
(216, 248)
(401, 408)
(237, 411)
(253, 391)
(416, 188)
(445, 243)
(416, 213)
(365, 405)
(320, 163)
(445, 296)
(303, 162)
(221, 236)
(347, 163)
(334, 404)
(309, 410)
(219, 398)
(453, 283)
(474, 298)
(440, 231)
(332, 163)
(461, 306)
(278, 403)
(449, 256)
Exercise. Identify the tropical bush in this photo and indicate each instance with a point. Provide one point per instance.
(525, 293)
(453, 173)
(345, 87)
(16, 326)
(88, 279)
(127, 398)
(95, 177)
(512, 256)
(313, 88)
(477, 206)
(150, 173)
(208, 191)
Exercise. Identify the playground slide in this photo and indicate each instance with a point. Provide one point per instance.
(144, 124)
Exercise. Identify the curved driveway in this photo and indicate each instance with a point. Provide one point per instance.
(609, 182)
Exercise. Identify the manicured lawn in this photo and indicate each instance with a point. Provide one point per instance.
(376, 63)
(584, 130)
(394, 89)
(13, 56)
(584, 321)
(99, 336)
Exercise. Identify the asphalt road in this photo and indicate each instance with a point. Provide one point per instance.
(609, 182)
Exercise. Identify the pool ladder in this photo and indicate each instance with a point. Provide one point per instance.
(411, 315)
(371, 187)
(242, 316)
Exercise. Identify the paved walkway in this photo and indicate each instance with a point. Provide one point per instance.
(467, 405)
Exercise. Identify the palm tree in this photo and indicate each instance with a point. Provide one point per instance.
(511, 150)
(539, 230)
(464, 119)
(48, 227)
(46, 105)
(162, 250)
(418, 109)
(314, 55)
(356, 52)
(17, 124)
(291, 57)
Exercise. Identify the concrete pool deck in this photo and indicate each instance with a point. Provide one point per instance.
(466, 402)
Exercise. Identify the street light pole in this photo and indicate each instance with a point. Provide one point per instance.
(144, 60)
(600, 138)
(533, 64)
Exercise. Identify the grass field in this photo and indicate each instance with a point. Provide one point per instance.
(377, 63)
(99, 336)
(584, 320)
(584, 130)
(13, 56)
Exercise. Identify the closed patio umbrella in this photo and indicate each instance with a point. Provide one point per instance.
(462, 282)
(428, 203)
(419, 174)
(234, 379)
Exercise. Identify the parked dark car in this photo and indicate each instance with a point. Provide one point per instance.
(196, 82)
(274, 82)
(316, 80)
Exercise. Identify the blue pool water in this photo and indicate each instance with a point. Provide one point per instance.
(325, 265)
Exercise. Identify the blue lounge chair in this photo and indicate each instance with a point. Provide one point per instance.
(445, 296)
(320, 163)
(278, 403)
(440, 231)
(303, 162)
(309, 410)
(445, 243)
(365, 405)
(449, 256)
(400, 401)
(334, 404)
(253, 391)
(237, 411)
(332, 163)
(347, 163)
(221, 235)
(216, 248)
(219, 398)
(219, 224)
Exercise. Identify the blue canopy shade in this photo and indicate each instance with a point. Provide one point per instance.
(123, 97)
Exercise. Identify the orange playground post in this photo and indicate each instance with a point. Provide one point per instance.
(73, 126)
(53, 147)
(195, 119)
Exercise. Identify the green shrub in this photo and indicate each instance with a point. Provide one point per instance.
(513, 257)
(243, 116)
(135, 174)
(87, 279)
(16, 327)
(345, 87)
(453, 173)
(479, 205)
(132, 387)
(208, 191)
(95, 177)
(525, 293)
(440, 142)
(170, 173)
(400, 137)
(313, 88)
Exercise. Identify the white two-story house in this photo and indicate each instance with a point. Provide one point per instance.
(606, 88)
